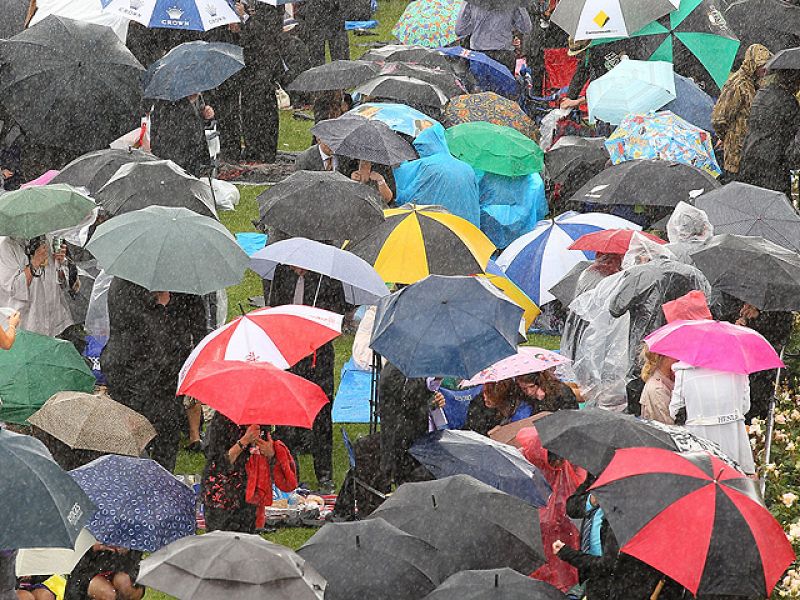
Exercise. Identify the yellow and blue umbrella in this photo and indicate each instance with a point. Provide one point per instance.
(399, 117)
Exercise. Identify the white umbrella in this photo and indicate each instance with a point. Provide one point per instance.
(50, 561)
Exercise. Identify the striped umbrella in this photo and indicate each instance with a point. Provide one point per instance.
(428, 23)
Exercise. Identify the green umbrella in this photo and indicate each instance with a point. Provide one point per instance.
(495, 148)
(34, 211)
(36, 367)
(169, 249)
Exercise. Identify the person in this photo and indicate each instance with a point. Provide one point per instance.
(8, 578)
(34, 588)
(105, 573)
(367, 176)
(732, 110)
(491, 30)
(11, 143)
(593, 62)
(9, 334)
(506, 400)
(688, 230)
(321, 22)
(545, 393)
(658, 384)
(320, 157)
(178, 133)
(233, 476)
(543, 37)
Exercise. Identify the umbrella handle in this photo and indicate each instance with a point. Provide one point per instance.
(770, 425)
(657, 592)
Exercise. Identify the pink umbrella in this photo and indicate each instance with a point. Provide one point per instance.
(715, 345)
(528, 359)
(42, 179)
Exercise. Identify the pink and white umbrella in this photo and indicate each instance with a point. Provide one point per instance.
(528, 359)
(280, 335)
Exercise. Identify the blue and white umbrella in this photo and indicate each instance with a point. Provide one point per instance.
(194, 15)
(140, 505)
(539, 259)
(633, 86)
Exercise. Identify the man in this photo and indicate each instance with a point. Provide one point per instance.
(320, 157)
(323, 21)
(491, 31)
(178, 133)
(544, 36)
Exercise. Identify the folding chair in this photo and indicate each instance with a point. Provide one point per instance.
(348, 507)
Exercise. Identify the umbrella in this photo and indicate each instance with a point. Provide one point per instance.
(528, 359)
(94, 422)
(564, 290)
(46, 561)
(364, 139)
(416, 241)
(645, 182)
(446, 453)
(539, 259)
(489, 107)
(444, 79)
(503, 530)
(695, 519)
(43, 507)
(335, 75)
(507, 434)
(410, 90)
(93, 170)
(372, 559)
(192, 68)
(407, 54)
(138, 185)
(189, 15)
(611, 241)
(664, 136)
(753, 270)
(632, 86)
(494, 275)
(69, 84)
(692, 103)
(584, 19)
(428, 23)
(446, 327)
(589, 437)
(31, 212)
(569, 167)
(169, 249)
(362, 285)
(399, 117)
(494, 584)
(14, 13)
(35, 368)
(489, 74)
(221, 564)
(772, 23)
(686, 441)
(745, 209)
(265, 394)
(495, 149)
(140, 505)
(350, 209)
(280, 335)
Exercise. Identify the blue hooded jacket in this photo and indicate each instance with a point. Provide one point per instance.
(510, 206)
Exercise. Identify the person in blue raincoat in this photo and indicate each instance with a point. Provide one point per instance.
(510, 206)
(438, 178)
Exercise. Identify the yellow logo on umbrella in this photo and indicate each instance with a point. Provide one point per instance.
(601, 19)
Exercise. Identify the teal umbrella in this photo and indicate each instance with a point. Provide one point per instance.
(495, 148)
(633, 86)
(35, 368)
(34, 211)
(428, 23)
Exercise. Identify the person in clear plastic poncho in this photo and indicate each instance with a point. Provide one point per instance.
(688, 230)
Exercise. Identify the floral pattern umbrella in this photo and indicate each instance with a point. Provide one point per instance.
(489, 107)
(428, 23)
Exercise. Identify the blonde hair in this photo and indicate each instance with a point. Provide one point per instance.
(650, 362)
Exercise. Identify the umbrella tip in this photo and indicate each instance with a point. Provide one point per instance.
(358, 541)
(496, 580)
(433, 499)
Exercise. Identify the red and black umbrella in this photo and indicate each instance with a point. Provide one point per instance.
(695, 519)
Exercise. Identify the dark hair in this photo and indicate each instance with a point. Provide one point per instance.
(505, 395)
(545, 380)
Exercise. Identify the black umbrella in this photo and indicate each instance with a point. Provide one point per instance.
(321, 206)
(13, 21)
(335, 75)
(494, 584)
(785, 60)
(405, 90)
(645, 183)
(407, 54)
(163, 183)
(745, 209)
(477, 526)
(772, 23)
(564, 290)
(70, 84)
(364, 139)
(569, 168)
(373, 559)
(444, 79)
(93, 170)
(753, 270)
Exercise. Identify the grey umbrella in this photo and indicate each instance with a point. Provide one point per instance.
(788, 59)
(335, 75)
(94, 169)
(225, 564)
(13, 21)
(494, 584)
(364, 139)
(565, 289)
(419, 55)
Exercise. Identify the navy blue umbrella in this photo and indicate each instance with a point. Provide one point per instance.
(446, 327)
(490, 75)
(140, 505)
(691, 103)
(446, 453)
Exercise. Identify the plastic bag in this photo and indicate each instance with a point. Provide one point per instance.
(548, 126)
(226, 195)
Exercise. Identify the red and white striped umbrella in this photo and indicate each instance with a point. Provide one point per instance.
(280, 335)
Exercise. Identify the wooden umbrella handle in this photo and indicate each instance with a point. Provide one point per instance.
(657, 592)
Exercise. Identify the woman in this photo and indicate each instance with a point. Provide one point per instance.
(659, 382)
(367, 176)
(241, 464)
(506, 399)
(544, 392)
(7, 336)
(105, 573)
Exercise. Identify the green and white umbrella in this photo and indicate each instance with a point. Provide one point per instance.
(34, 211)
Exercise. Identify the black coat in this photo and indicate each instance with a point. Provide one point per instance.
(178, 134)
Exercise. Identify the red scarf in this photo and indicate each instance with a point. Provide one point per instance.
(259, 479)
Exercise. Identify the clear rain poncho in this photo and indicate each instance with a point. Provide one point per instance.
(688, 230)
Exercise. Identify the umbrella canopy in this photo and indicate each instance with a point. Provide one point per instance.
(494, 584)
(407, 54)
(772, 23)
(528, 359)
(444, 79)
(664, 136)
(362, 285)
(446, 453)
(489, 74)
(14, 13)
(31, 212)
(539, 259)
(94, 422)
(585, 20)
(564, 290)
(221, 564)
(494, 275)
(140, 505)
(372, 559)
(335, 75)
(692, 103)
(503, 530)
(93, 170)
(695, 519)
(428, 23)
(446, 327)
(42, 506)
(265, 394)
(417, 241)
(35, 368)
(489, 107)
(753, 270)
(745, 209)
(364, 139)
(350, 209)
(169, 249)
(138, 185)
(192, 68)
(569, 167)
(189, 15)
(69, 84)
(403, 89)
(632, 86)
(399, 117)
(46, 561)
(611, 241)
(495, 149)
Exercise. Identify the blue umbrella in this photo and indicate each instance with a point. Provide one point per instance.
(633, 86)
(398, 117)
(490, 75)
(140, 505)
(692, 103)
